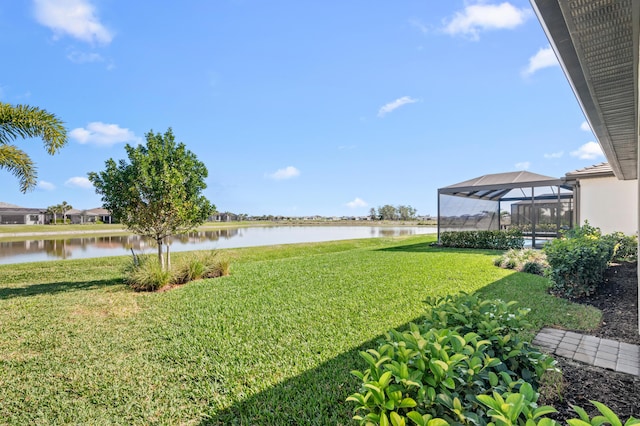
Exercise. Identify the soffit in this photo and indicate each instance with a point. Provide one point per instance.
(596, 44)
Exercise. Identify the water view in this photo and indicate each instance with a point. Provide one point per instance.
(99, 246)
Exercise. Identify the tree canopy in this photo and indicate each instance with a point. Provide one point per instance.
(389, 212)
(158, 193)
(23, 121)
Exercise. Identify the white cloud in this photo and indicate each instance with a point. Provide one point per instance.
(79, 182)
(523, 165)
(544, 58)
(76, 18)
(395, 105)
(585, 126)
(46, 186)
(483, 17)
(588, 151)
(103, 134)
(357, 202)
(558, 154)
(286, 173)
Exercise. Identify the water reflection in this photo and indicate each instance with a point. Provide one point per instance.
(99, 246)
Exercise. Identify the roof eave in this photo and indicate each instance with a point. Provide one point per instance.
(576, 68)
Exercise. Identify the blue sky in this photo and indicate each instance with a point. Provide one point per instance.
(296, 107)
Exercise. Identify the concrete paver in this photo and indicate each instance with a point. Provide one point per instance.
(604, 353)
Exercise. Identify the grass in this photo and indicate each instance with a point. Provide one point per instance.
(271, 344)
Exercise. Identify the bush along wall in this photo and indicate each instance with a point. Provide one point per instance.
(433, 372)
(463, 365)
(578, 260)
(496, 240)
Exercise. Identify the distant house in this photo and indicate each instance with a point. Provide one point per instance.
(99, 213)
(10, 214)
(602, 199)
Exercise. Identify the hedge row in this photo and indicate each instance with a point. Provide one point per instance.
(497, 240)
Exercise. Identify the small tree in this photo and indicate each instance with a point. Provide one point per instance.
(388, 212)
(64, 208)
(54, 211)
(406, 212)
(157, 194)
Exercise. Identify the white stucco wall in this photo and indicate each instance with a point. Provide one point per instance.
(610, 204)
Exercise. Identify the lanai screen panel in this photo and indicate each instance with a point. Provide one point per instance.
(547, 215)
(468, 214)
(477, 204)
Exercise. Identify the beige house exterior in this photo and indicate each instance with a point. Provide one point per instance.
(605, 201)
(597, 43)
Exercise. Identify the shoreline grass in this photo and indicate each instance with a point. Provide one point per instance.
(10, 233)
(271, 344)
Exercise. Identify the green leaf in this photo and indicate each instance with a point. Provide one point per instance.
(384, 420)
(384, 380)
(449, 383)
(488, 401)
(578, 422)
(493, 379)
(417, 418)
(359, 398)
(581, 412)
(407, 403)
(378, 395)
(396, 420)
(437, 422)
(544, 410)
(606, 411)
(546, 422)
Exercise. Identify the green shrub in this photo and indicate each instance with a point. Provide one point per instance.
(531, 267)
(625, 247)
(146, 274)
(201, 265)
(496, 240)
(433, 371)
(524, 260)
(578, 261)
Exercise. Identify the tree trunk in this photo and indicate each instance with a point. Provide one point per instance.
(168, 258)
(160, 257)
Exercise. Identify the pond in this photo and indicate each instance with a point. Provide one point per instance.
(37, 250)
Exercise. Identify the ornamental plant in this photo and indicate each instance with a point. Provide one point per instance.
(433, 371)
(494, 240)
(578, 260)
(523, 260)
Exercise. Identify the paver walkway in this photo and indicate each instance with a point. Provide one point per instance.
(605, 353)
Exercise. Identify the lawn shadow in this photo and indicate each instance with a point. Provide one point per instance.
(54, 288)
(318, 396)
(429, 248)
(315, 397)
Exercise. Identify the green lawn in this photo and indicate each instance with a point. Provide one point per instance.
(271, 344)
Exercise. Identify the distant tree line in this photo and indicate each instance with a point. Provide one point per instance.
(389, 212)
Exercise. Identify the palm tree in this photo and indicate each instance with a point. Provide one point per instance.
(65, 207)
(54, 211)
(23, 121)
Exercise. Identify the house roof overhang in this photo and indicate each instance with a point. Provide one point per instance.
(596, 43)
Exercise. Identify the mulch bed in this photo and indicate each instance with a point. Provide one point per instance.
(618, 300)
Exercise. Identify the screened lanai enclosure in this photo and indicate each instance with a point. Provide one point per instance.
(539, 206)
